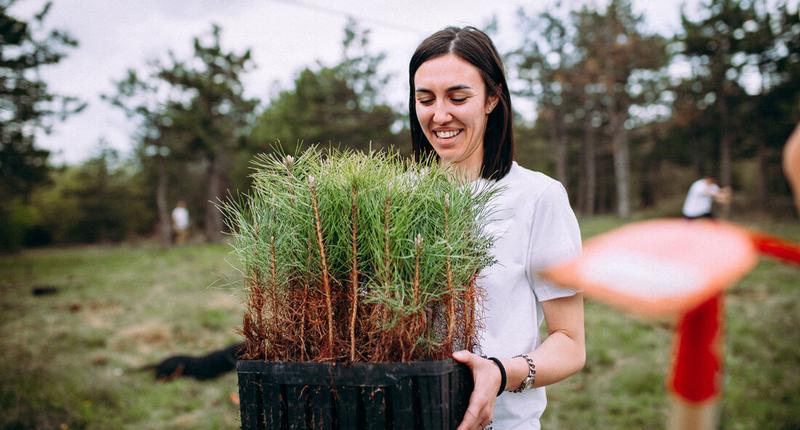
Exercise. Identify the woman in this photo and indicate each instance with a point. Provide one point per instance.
(460, 109)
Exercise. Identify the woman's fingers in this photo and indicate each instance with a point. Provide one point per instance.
(481, 401)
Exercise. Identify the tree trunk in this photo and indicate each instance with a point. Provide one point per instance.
(559, 142)
(725, 162)
(762, 153)
(213, 217)
(621, 152)
(589, 168)
(164, 221)
(762, 181)
(562, 155)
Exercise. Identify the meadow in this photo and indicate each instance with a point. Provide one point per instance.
(73, 359)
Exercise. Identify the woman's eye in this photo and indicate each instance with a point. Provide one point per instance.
(458, 99)
(425, 102)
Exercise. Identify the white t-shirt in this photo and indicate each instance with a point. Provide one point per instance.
(180, 216)
(533, 225)
(699, 198)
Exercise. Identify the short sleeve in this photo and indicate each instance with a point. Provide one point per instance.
(555, 237)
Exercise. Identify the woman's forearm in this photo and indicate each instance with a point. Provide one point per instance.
(562, 354)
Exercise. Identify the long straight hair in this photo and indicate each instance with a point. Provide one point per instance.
(476, 48)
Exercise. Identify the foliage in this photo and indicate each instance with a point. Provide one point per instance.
(337, 104)
(26, 107)
(193, 117)
(101, 200)
(212, 113)
(359, 257)
(600, 84)
(587, 71)
(741, 99)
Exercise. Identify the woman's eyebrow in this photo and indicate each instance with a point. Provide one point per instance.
(449, 89)
(459, 87)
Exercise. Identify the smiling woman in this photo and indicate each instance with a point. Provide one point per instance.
(460, 111)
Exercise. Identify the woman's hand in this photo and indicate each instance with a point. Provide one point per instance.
(487, 381)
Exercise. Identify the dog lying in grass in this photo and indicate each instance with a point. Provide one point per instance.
(202, 368)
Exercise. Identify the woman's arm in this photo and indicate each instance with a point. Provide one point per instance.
(562, 354)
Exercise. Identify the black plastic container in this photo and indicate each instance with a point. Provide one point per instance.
(418, 395)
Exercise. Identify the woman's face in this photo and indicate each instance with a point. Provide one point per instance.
(452, 109)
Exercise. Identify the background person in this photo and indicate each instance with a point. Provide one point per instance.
(460, 110)
(180, 223)
(701, 196)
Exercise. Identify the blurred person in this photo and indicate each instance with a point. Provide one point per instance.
(180, 223)
(701, 197)
(791, 164)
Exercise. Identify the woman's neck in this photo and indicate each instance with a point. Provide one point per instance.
(464, 170)
(468, 168)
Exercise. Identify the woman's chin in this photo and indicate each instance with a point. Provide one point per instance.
(447, 158)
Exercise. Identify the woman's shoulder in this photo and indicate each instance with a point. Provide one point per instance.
(531, 182)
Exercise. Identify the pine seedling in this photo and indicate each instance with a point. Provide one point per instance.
(358, 257)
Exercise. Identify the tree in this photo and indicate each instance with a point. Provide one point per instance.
(161, 147)
(333, 104)
(26, 105)
(543, 65)
(101, 199)
(212, 114)
(710, 45)
(771, 42)
(629, 62)
(587, 72)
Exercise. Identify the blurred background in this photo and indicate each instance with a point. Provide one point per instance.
(112, 112)
(624, 102)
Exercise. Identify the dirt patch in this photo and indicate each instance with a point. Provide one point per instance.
(225, 301)
(142, 337)
(187, 421)
(101, 314)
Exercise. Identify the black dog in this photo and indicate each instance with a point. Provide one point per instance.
(202, 368)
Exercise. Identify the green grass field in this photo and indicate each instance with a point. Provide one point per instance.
(70, 360)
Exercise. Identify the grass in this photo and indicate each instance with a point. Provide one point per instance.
(70, 360)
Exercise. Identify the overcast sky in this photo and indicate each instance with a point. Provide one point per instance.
(284, 35)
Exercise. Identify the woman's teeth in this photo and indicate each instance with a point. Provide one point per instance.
(447, 134)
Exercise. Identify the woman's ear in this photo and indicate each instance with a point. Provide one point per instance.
(491, 102)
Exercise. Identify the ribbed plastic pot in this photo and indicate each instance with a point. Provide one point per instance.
(417, 395)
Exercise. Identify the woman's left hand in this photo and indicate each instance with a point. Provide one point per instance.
(487, 382)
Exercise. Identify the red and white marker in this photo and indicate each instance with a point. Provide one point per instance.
(675, 267)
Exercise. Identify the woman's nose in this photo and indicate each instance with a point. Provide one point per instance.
(441, 114)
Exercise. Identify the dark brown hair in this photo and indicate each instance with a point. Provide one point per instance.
(474, 47)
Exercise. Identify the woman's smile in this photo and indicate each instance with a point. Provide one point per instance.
(447, 137)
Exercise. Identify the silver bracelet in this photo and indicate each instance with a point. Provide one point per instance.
(528, 382)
